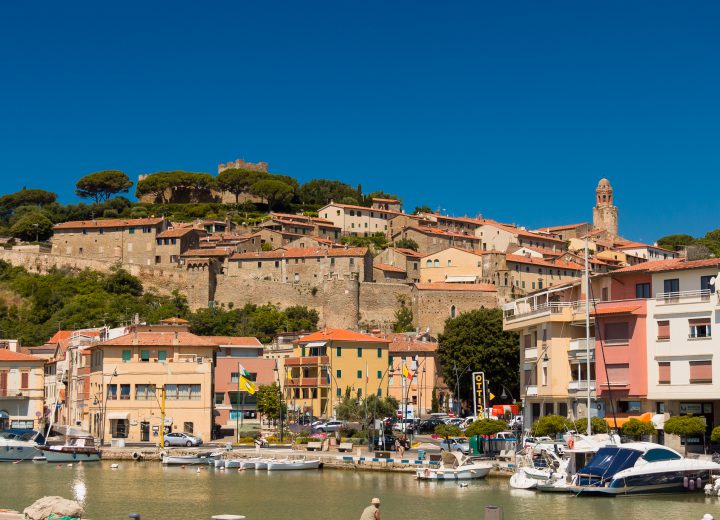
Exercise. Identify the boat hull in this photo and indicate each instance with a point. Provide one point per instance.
(293, 465)
(56, 456)
(668, 482)
(19, 453)
(453, 474)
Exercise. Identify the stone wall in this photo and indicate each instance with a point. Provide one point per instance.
(432, 307)
(380, 301)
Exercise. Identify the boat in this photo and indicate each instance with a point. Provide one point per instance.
(195, 458)
(642, 468)
(76, 448)
(232, 464)
(277, 465)
(533, 470)
(455, 466)
(261, 464)
(17, 447)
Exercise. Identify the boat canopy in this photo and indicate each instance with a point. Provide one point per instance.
(606, 463)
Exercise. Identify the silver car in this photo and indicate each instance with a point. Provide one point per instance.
(181, 439)
(329, 426)
(455, 444)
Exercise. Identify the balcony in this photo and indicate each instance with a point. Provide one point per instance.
(580, 386)
(21, 393)
(579, 346)
(531, 353)
(307, 383)
(539, 310)
(669, 298)
(531, 391)
(312, 361)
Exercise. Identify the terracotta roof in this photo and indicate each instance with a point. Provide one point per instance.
(9, 355)
(174, 321)
(207, 251)
(520, 259)
(640, 245)
(544, 251)
(166, 339)
(362, 208)
(395, 201)
(388, 267)
(647, 266)
(566, 226)
(467, 220)
(621, 309)
(176, 232)
(689, 264)
(116, 222)
(301, 252)
(521, 232)
(409, 252)
(404, 343)
(445, 286)
(442, 232)
(340, 335)
(235, 341)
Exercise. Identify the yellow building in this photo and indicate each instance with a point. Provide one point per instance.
(128, 374)
(452, 265)
(327, 363)
(21, 388)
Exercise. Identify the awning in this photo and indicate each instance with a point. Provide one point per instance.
(4, 415)
(461, 279)
(316, 344)
(118, 416)
(614, 310)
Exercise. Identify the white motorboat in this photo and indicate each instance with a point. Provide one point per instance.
(16, 448)
(533, 471)
(232, 464)
(456, 466)
(77, 448)
(195, 458)
(218, 463)
(276, 465)
(642, 468)
(261, 464)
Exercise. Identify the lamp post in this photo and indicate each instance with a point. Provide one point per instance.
(504, 394)
(104, 407)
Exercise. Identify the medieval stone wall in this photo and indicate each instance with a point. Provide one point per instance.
(380, 301)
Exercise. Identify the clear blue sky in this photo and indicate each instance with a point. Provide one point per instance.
(509, 109)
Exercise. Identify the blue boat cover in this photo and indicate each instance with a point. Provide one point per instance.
(605, 464)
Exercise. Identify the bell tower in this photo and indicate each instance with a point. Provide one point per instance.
(605, 214)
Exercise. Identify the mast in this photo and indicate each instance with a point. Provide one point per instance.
(587, 332)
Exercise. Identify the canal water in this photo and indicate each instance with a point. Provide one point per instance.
(158, 492)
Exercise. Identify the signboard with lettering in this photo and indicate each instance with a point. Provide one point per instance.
(479, 393)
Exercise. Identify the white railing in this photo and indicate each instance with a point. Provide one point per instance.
(579, 344)
(574, 386)
(531, 390)
(531, 353)
(550, 307)
(702, 295)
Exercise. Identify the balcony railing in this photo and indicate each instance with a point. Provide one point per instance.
(550, 308)
(307, 361)
(531, 353)
(531, 390)
(574, 386)
(21, 393)
(699, 296)
(307, 383)
(579, 344)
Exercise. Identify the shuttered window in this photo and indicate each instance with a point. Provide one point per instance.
(527, 341)
(126, 355)
(25, 380)
(616, 332)
(663, 329)
(701, 371)
(664, 373)
(618, 374)
(700, 328)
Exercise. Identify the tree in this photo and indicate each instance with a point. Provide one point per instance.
(156, 184)
(122, 282)
(447, 430)
(273, 192)
(485, 427)
(636, 428)
(266, 246)
(269, 402)
(236, 181)
(476, 341)
(322, 191)
(378, 407)
(551, 425)
(100, 186)
(349, 408)
(685, 426)
(597, 425)
(403, 318)
(715, 435)
(32, 226)
(422, 209)
(301, 318)
(675, 242)
(434, 403)
(711, 244)
(407, 243)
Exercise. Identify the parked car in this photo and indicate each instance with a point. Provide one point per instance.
(506, 435)
(181, 439)
(387, 444)
(307, 420)
(455, 421)
(455, 444)
(330, 426)
(428, 426)
(406, 426)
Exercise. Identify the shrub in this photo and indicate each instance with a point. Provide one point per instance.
(597, 425)
(551, 425)
(715, 435)
(110, 213)
(303, 440)
(685, 426)
(636, 429)
(486, 427)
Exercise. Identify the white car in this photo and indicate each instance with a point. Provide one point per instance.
(405, 425)
(181, 439)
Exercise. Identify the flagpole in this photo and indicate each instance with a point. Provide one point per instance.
(237, 419)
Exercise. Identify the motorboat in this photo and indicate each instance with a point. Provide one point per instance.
(642, 468)
(195, 458)
(232, 464)
(261, 464)
(534, 470)
(456, 466)
(16, 447)
(276, 465)
(76, 448)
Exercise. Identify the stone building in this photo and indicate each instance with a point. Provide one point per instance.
(21, 388)
(431, 239)
(172, 243)
(434, 303)
(405, 259)
(523, 274)
(357, 220)
(452, 265)
(605, 213)
(302, 225)
(302, 265)
(130, 241)
(502, 237)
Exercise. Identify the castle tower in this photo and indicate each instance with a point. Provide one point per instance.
(605, 214)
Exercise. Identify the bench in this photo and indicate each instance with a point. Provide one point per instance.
(345, 446)
(314, 446)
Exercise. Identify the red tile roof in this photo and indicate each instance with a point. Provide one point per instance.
(301, 252)
(235, 341)
(176, 232)
(640, 245)
(521, 232)
(409, 252)
(10, 355)
(656, 265)
(445, 286)
(164, 339)
(340, 335)
(689, 264)
(520, 259)
(437, 231)
(566, 226)
(389, 268)
(363, 208)
(405, 343)
(207, 251)
(116, 222)
(395, 201)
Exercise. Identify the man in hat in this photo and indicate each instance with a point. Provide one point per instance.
(372, 512)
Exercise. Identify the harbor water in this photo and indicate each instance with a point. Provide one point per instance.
(157, 492)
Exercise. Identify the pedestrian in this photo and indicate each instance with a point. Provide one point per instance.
(400, 447)
(372, 512)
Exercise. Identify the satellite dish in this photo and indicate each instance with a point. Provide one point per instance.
(713, 280)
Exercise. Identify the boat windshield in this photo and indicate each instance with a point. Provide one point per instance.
(606, 463)
(8, 435)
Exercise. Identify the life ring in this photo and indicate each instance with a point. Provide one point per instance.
(571, 443)
(426, 472)
(136, 455)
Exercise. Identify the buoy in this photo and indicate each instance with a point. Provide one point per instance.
(463, 484)
(685, 482)
(136, 455)
(198, 470)
(114, 466)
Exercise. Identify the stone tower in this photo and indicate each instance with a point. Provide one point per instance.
(605, 214)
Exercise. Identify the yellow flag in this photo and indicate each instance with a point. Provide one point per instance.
(406, 373)
(245, 385)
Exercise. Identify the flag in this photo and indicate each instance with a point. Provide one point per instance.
(406, 373)
(244, 382)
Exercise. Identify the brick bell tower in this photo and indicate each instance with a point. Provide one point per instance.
(605, 214)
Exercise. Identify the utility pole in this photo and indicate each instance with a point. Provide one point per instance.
(162, 416)
(587, 333)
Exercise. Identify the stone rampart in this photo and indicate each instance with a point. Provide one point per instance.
(380, 301)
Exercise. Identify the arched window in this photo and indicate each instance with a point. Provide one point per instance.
(452, 311)
(604, 198)
(437, 263)
(428, 263)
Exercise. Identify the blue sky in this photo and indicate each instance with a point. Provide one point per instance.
(509, 109)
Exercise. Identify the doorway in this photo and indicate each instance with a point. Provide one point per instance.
(145, 431)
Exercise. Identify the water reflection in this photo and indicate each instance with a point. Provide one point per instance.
(79, 489)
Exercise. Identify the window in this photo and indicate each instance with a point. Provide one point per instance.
(125, 392)
(379, 392)
(379, 374)
(338, 352)
(145, 356)
(549, 408)
(700, 328)
(642, 290)
(162, 356)
(24, 380)
(701, 372)
(126, 356)
(436, 263)
(663, 330)
(23, 425)
(705, 284)
(359, 351)
(544, 375)
(379, 352)
(112, 392)
(563, 409)
(131, 231)
(629, 406)
(618, 374)
(428, 263)
(145, 392)
(338, 373)
(338, 392)
(672, 285)
(449, 263)
(452, 311)
(188, 428)
(540, 284)
(616, 333)
(664, 373)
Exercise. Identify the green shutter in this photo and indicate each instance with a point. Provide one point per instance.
(302, 353)
(379, 352)
(162, 355)
(379, 374)
(379, 393)
(338, 373)
(144, 355)
(127, 354)
(359, 351)
(338, 392)
(338, 352)
(359, 372)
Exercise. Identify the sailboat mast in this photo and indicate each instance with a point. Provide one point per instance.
(587, 333)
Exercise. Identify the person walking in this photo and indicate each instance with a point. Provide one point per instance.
(372, 512)
(399, 447)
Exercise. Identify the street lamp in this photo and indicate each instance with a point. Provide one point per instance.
(504, 394)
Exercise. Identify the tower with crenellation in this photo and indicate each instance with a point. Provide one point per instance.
(605, 213)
